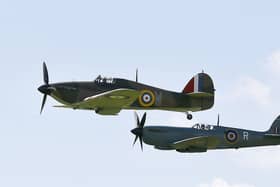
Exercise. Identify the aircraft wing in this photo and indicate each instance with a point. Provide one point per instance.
(198, 142)
(107, 103)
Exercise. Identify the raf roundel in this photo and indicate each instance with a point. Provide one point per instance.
(231, 136)
(147, 98)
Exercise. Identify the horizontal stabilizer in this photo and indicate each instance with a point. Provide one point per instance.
(201, 94)
(273, 135)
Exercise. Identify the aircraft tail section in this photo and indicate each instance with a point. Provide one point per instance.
(200, 84)
(201, 92)
(275, 127)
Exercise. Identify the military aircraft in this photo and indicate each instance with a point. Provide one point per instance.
(108, 96)
(202, 137)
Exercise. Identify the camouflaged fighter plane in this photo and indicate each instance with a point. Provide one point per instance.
(202, 137)
(107, 96)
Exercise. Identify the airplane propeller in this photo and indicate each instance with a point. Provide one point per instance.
(45, 74)
(138, 131)
(45, 89)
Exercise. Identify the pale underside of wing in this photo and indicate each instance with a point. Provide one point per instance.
(113, 101)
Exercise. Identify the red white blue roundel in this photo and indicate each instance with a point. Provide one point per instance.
(146, 98)
(231, 136)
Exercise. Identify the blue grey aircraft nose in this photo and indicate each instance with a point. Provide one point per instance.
(137, 131)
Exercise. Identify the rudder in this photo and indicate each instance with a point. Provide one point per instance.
(275, 127)
(200, 84)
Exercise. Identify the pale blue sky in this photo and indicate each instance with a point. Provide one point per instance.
(236, 42)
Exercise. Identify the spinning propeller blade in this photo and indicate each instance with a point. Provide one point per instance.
(45, 89)
(136, 119)
(141, 142)
(136, 137)
(138, 131)
(43, 103)
(45, 74)
(143, 120)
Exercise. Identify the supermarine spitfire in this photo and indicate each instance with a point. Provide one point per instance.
(108, 96)
(201, 137)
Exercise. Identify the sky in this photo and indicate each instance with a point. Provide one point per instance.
(236, 42)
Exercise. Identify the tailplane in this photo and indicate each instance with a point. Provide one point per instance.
(275, 127)
(201, 84)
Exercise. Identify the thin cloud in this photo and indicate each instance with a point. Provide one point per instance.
(219, 182)
(273, 62)
(250, 89)
(264, 158)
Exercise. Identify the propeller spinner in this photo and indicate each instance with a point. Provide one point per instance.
(138, 131)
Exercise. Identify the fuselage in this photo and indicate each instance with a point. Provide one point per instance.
(69, 93)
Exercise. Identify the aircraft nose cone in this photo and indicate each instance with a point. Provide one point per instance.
(44, 89)
(137, 131)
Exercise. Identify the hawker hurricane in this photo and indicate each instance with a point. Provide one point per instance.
(108, 96)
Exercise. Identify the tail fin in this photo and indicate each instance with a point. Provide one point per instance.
(200, 84)
(275, 127)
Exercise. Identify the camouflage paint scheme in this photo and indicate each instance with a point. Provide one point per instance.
(201, 137)
(108, 96)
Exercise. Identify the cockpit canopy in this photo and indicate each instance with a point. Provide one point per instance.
(202, 126)
(102, 80)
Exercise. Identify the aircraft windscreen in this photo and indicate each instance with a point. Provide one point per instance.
(101, 80)
(202, 126)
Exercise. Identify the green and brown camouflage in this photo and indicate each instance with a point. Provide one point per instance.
(108, 96)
